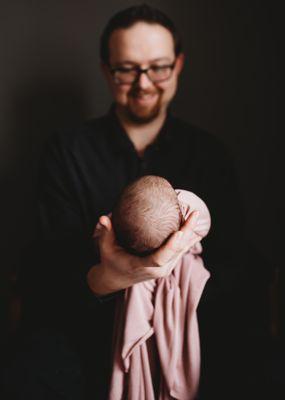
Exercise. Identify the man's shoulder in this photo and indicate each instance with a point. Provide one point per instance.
(187, 131)
(88, 132)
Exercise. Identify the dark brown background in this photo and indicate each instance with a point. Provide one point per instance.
(50, 77)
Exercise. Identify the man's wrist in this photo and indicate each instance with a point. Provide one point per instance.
(100, 283)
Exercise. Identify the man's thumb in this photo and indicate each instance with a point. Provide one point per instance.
(107, 235)
(105, 222)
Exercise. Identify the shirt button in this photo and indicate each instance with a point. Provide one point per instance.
(143, 166)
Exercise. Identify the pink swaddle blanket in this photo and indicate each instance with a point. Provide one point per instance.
(166, 308)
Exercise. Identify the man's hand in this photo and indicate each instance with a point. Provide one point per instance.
(118, 269)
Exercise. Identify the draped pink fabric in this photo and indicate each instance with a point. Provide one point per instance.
(165, 308)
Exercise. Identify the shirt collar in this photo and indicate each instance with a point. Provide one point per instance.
(120, 141)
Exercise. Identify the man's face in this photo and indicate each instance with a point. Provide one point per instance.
(143, 45)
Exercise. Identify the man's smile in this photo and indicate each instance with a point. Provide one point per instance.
(144, 98)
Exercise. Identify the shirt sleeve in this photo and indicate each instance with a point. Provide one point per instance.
(62, 231)
(59, 211)
(236, 266)
(54, 290)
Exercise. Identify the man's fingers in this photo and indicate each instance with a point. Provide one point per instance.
(178, 243)
(190, 222)
(188, 229)
(169, 250)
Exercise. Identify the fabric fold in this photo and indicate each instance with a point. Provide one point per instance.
(167, 311)
(160, 315)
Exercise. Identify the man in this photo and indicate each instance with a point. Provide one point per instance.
(82, 175)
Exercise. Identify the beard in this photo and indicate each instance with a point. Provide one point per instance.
(142, 114)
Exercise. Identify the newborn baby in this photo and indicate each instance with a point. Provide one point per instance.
(146, 214)
(149, 210)
(156, 338)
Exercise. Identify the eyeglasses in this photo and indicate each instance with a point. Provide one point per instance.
(155, 73)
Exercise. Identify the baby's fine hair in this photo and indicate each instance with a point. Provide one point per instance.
(146, 214)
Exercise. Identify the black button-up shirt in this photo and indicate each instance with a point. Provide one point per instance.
(82, 174)
(85, 169)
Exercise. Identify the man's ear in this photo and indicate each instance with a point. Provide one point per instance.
(179, 63)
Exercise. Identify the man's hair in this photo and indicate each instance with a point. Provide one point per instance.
(146, 214)
(128, 17)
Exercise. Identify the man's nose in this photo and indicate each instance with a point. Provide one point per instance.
(143, 81)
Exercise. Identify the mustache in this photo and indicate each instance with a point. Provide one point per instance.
(139, 92)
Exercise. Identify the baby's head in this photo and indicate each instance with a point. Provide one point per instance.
(146, 214)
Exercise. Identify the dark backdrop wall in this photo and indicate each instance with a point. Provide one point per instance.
(50, 77)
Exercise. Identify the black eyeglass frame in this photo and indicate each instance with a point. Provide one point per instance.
(139, 71)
